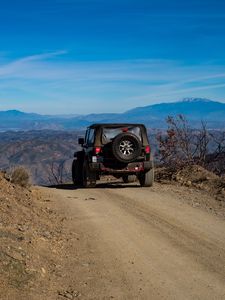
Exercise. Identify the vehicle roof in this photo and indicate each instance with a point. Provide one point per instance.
(96, 125)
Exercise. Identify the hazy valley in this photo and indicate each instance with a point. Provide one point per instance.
(41, 152)
(45, 144)
(195, 109)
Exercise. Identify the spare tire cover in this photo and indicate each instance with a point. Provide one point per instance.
(126, 147)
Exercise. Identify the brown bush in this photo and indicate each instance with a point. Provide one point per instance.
(181, 146)
(20, 176)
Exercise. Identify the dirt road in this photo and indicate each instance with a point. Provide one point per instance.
(141, 243)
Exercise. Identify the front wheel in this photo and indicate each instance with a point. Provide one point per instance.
(88, 176)
(77, 172)
(147, 179)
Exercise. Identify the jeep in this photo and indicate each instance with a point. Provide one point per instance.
(121, 150)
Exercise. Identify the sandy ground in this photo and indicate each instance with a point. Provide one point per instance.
(127, 242)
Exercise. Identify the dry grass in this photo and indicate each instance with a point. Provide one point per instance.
(20, 176)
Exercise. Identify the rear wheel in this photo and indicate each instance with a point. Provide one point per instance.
(88, 176)
(147, 179)
(129, 178)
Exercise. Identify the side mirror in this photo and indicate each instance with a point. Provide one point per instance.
(81, 141)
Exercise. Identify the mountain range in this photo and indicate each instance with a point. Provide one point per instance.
(196, 110)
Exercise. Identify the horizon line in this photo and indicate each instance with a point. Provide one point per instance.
(185, 99)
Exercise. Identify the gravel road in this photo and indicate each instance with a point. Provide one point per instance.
(141, 243)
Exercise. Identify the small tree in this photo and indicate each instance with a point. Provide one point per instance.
(181, 145)
(58, 172)
(216, 159)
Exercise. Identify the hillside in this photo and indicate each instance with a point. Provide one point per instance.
(196, 110)
(48, 154)
(30, 243)
(41, 152)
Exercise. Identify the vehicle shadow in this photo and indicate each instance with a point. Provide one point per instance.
(116, 185)
(63, 186)
(101, 185)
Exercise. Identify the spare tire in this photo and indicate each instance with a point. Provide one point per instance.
(126, 147)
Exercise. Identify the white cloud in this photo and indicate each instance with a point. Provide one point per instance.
(106, 85)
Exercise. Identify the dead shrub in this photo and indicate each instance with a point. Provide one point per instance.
(20, 176)
(181, 146)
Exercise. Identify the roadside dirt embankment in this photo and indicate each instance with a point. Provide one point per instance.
(30, 243)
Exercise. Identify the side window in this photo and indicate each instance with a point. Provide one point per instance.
(91, 137)
(86, 136)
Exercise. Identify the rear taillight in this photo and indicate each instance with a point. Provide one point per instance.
(97, 150)
(147, 149)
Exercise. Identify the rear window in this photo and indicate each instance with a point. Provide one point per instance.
(108, 134)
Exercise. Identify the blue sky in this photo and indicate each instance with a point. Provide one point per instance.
(82, 56)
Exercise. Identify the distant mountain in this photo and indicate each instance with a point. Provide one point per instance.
(16, 115)
(195, 109)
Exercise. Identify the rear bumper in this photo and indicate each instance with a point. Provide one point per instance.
(131, 168)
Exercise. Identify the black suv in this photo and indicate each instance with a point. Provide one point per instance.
(121, 150)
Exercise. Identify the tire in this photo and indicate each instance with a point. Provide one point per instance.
(88, 176)
(147, 179)
(129, 178)
(126, 147)
(77, 172)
